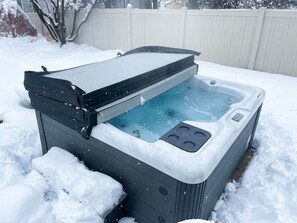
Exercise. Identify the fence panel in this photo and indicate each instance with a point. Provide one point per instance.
(106, 29)
(263, 40)
(155, 27)
(223, 36)
(277, 52)
(36, 22)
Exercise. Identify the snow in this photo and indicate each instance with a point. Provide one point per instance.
(75, 184)
(21, 203)
(9, 7)
(265, 193)
(127, 220)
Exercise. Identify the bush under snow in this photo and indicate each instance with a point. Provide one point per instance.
(13, 21)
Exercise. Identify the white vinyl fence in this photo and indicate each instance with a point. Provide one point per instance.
(264, 40)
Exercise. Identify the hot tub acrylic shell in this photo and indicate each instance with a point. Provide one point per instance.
(169, 185)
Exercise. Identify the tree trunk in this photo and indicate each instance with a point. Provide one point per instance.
(62, 24)
(155, 4)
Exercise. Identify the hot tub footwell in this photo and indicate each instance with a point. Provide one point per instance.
(153, 196)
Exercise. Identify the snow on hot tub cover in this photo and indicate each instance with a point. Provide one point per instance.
(71, 96)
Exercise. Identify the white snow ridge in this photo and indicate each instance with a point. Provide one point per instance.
(76, 193)
(22, 203)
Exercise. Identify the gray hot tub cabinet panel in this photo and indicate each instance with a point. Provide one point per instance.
(153, 197)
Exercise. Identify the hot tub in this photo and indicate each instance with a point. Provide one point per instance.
(177, 168)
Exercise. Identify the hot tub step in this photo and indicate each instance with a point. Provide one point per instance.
(186, 137)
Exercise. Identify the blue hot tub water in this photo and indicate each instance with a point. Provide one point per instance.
(186, 101)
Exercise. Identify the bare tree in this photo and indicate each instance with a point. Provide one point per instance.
(53, 13)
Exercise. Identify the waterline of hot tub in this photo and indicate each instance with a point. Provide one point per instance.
(186, 101)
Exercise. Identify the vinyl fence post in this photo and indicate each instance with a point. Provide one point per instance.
(129, 10)
(181, 40)
(258, 30)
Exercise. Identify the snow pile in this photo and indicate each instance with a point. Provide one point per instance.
(83, 195)
(11, 170)
(9, 7)
(21, 203)
(13, 21)
(17, 146)
(58, 187)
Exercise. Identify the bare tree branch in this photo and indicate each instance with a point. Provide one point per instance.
(74, 33)
(52, 13)
(41, 15)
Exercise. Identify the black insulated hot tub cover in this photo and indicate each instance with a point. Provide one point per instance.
(76, 93)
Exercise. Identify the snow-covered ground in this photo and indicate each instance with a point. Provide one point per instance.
(267, 191)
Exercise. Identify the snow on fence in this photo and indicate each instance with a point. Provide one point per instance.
(264, 40)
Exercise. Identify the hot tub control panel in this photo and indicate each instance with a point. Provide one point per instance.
(237, 117)
(186, 137)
